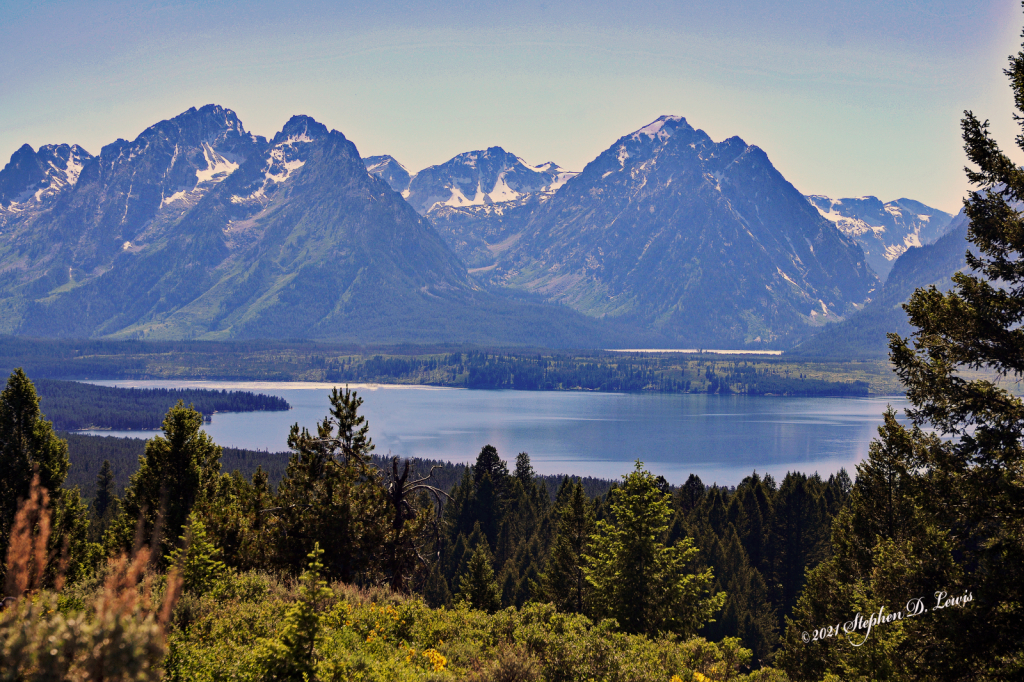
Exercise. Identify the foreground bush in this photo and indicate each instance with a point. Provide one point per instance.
(115, 633)
(254, 627)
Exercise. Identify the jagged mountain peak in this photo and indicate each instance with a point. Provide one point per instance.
(705, 241)
(661, 128)
(210, 123)
(885, 230)
(481, 178)
(301, 128)
(388, 169)
(40, 176)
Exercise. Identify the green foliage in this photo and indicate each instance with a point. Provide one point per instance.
(372, 634)
(77, 556)
(179, 470)
(332, 497)
(292, 655)
(29, 446)
(937, 507)
(436, 591)
(639, 580)
(565, 583)
(477, 585)
(106, 493)
(39, 643)
(195, 557)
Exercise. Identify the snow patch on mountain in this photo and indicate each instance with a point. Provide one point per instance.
(218, 166)
(656, 129)
(180, 194)
(476, 178)
(883, 230)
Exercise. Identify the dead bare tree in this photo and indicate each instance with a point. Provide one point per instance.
(406, 548)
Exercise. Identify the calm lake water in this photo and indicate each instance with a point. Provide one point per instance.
(719, 438)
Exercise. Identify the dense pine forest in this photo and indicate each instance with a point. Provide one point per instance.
(89, 453)
(71, 405)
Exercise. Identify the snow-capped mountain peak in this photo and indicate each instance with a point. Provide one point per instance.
(33, 177)
(884, 230)
(475, 178)
(661, 128)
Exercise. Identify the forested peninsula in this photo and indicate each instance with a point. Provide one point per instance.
(72, 405)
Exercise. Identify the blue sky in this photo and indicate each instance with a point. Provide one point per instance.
(847, 97)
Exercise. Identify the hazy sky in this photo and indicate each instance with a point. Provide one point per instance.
(847, 97)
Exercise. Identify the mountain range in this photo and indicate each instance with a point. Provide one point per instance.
(199, 229)
(696, 240)
(884, 231)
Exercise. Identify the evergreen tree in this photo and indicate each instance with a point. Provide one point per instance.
(196, 557)
(179, 470)
(106, 492)
(636, 578)
(29, 446)
(564, 491)
(883, 554)
(330, 498)
(294, 653)
(488, 463)
(435, 590)
(477, 584)
(690, 493)
(524, 470)
(748, 612)
(565, 583)
(939, 505)
(491, 488)
(798, 535)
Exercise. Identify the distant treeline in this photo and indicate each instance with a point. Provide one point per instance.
(88, 453)
(753, 380)
(619, 373)
(71, 405)
(456, 366)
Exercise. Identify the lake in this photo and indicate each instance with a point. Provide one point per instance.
(719, 438)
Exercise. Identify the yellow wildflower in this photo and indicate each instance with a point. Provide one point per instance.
(436, 659)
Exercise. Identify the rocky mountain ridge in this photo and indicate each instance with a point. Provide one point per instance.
(198, 229)
(477, 178)
(884, 230)
(695, 239)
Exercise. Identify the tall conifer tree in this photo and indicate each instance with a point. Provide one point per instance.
(29, 446)
(638, 580)
(179, 470)
(939, 505)
(565, 582)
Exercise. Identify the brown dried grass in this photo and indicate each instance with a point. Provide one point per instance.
(27, 554)
(128, 585)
